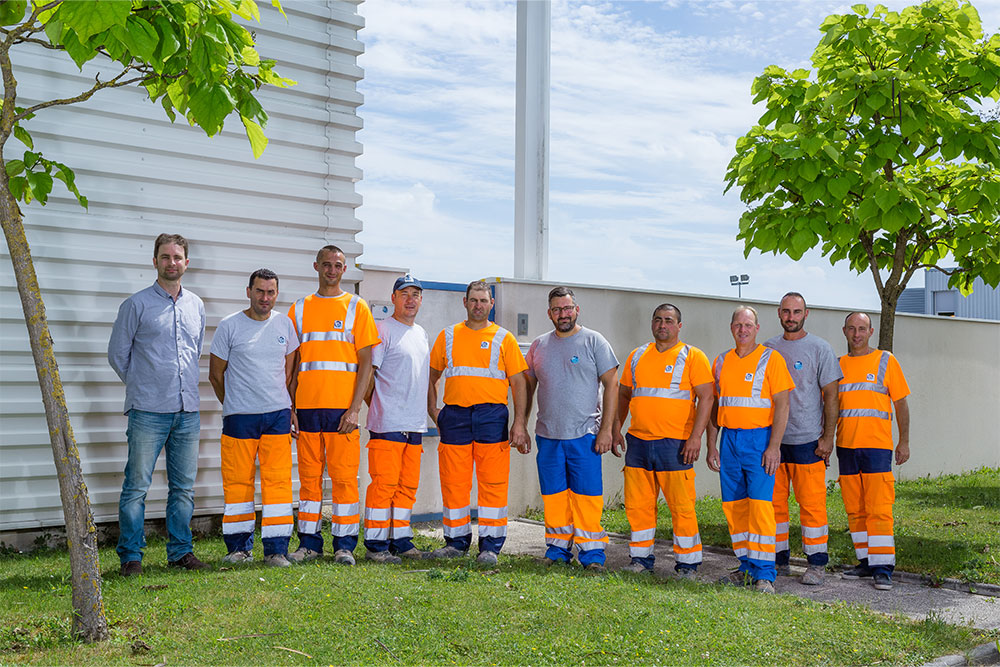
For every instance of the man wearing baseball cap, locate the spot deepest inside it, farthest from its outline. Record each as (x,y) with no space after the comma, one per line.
(397,418)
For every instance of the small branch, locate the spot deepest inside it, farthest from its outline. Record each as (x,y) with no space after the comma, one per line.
(27,26)
(867,243)
(40,42)
(291,650)
(116,82)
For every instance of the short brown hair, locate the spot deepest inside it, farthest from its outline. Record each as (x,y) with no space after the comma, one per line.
(749,309)
(859,312)
(561,291)
(329,248)
(164,239)
(668,306)
(479,286)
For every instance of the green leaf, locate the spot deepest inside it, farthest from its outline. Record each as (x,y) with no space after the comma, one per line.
(12,11)
(209,105)
(168,42)
(17,186)
(258,142)
(832,152)
(14,167)
(141,37)
(860,9)
(838,187)
(808,170)
(803,240)
(250,56)
(77,50)
(886,198)
(40,184)
(30,159)
(22,135)
(90,18)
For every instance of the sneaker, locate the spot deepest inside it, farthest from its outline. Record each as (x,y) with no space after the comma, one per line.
(857,572)
(486,558)
(446,552)
(783,570)
(189,562)
(635,567)
(686,573)
(303,554)
(882,582)
(594,568)
(813,575)
(412,554)
(763,586)
(276,560)
(382,557)
(131,568)
(736,578)
(551,562)
(344,557)
(238,558)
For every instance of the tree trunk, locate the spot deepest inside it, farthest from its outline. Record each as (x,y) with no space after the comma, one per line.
(89,622)
(887,321)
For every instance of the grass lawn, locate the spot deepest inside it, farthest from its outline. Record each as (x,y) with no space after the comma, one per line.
(518,613)
(947,526)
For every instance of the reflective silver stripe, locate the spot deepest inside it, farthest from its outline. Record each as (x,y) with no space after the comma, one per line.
(456,514)
(738,537)
(376,534)
(493,513)
(861,552)
(883,366)
(343,529)
(759,373)
(590,535)
(275,510)
(742,551)
(237,527)
(401,514)
(636,355)
(810,549)
(328,366)
(300,305)
(643,535)
(866,412)
(862,386)
(760,555)
(717,370)
(457,531)
(232,509)
(559,530)
(881,559)
(399,532)
(815,531)
(308,527)
(881,541)
(640,552)
(693,558)
(310,506)
(760,539)
(590,546)
(352,310)
(860,537)
(346,509)
(662,392)
(377,513)
(781,528)
(344,336)
(551,541)
(687,541)
(492,371)
(679,363)
(782,545)
(744,402)
(276,530)
(492,531)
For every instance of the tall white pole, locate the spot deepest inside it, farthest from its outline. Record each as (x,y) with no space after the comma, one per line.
(531,155)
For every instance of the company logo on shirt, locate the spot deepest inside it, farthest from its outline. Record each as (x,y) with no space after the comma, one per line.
(281,340)
(798,365)
(338,324)
(871,377)
(485,345)
(669,368)
(748,378)
(574,359)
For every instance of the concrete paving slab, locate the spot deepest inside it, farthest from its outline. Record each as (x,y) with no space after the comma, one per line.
(918,601)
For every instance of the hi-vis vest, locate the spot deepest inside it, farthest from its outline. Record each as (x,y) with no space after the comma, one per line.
(674,391)
(869,386)
(875,384)
(476,363)
(662,383)
(492,371)
(736,409)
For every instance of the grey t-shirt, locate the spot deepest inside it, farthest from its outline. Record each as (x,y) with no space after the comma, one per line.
(813,365)
(568,371)
(402,372)
(255,352)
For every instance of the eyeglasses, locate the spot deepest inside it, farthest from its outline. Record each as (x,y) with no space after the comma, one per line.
(555,310)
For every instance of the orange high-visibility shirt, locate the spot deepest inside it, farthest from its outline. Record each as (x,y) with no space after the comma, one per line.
(744,387)
(662,383)
(871,383)
(476,364)
(331,330)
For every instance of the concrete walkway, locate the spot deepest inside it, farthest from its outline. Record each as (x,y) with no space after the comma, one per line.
(916,600)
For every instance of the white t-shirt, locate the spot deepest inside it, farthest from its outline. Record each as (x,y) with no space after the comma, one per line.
(402,372)
(255,352)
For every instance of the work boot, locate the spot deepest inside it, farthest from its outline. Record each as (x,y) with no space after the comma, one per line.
(857,572)
(686,573)
(446,552)
(303,554)
(594,568)
(486,558)
(784,570)
(882,581)
(276,560)
(189,562)
(344,557)
(763,586)
(412,554)
(131,568)
(635,567)
(813,575)
(736,578)
(382,557)
(238,558)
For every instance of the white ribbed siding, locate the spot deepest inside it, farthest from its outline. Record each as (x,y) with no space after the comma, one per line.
(982,304)
(144,175)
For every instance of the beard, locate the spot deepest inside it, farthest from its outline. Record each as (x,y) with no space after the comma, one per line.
(792,327)
(565,325)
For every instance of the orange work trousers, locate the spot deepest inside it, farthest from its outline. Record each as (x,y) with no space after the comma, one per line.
(394,466)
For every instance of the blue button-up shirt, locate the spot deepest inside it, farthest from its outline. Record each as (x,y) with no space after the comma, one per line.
(154,348)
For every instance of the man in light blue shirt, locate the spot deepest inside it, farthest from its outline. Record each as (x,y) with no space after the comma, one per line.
(154,348)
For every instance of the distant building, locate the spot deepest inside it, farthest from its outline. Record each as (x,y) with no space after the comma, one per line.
(936,298)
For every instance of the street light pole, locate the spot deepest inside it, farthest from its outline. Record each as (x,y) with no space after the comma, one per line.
(739,281)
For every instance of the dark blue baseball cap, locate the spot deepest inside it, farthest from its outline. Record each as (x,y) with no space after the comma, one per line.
(407,281)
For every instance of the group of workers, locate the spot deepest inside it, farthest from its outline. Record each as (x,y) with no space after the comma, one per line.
(304,377)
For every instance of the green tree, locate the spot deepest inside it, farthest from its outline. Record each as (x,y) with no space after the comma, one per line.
(196,61)
(883,152)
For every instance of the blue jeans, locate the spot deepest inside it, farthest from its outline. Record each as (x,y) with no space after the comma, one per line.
(148,433)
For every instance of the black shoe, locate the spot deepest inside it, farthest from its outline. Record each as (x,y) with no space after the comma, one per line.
(882,582)
(857,572)
(189,562)
(131,568)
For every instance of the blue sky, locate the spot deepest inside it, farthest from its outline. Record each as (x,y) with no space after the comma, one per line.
(647,101)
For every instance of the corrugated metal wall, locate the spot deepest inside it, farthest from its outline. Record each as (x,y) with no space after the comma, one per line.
(144,175)
(982,304)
